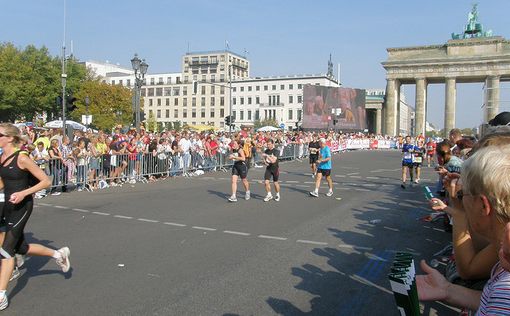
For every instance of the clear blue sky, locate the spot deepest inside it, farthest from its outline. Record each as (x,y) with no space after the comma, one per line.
(281,37)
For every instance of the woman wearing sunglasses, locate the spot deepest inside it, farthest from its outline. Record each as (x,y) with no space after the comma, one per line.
(20,178)
(485,200)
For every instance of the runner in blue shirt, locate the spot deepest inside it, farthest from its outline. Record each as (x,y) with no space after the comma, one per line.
(324,169)
(407,161)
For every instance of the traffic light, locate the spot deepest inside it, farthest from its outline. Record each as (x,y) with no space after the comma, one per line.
(195,87)
(142,116)
(227,120)
(335,121)
(70,103)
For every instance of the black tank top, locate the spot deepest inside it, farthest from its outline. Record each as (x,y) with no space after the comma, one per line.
(14,178)
(239,162)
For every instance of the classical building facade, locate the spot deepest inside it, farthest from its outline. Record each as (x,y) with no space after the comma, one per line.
(374,103)
(276,98)
(474,56)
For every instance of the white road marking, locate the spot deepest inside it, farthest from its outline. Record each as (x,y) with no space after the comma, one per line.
(292,181)
(340,175)
(100,213)
(204,228)
(174,224)
(375,178)
(80,210)
(309,182)
(370,185)
(236,233)
(393,229)
(122,216)
(362,190)
(271,237)
(357,177)
(62,207)
(147,220)
(44,204)
(351,174)
(311,242)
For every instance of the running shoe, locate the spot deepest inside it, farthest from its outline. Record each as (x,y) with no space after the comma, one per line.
(232,198)
(247,196)
(277,197)
(268,198)
(4,302)
(313,175)
(15,274)
(313,193)
(330,193)
(417,181)
(63,262)
(403,186)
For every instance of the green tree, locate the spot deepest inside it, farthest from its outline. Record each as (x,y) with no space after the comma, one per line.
(110,105)
(169,126)
(30,81)
(268,122)
(151,122)
(177,126)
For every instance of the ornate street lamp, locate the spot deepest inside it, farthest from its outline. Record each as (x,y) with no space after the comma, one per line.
(140,68)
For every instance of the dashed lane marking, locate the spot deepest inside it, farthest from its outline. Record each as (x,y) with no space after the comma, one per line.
(80,210)
(351,174)
(175,224)
(362,190)
(271,237)
(357,177)
(61,207)
(122,216)
(236,233)
(292,181)
(204,228)
(101,213)
(374,178)
(312,242)
(147,220)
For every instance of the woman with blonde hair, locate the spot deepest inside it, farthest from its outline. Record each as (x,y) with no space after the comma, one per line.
(20,178)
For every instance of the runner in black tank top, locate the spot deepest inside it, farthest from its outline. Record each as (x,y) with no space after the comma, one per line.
(17,171)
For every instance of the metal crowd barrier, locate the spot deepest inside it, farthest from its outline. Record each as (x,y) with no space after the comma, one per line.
(99,172)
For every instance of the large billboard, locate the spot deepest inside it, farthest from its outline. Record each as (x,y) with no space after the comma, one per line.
(333,108)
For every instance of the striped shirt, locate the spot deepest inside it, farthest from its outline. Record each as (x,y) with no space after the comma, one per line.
(495,298)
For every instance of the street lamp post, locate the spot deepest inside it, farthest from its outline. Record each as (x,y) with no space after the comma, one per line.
(87,102)
(140,68)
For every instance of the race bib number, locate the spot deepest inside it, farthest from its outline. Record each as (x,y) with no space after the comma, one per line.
(418,159)
(408,156)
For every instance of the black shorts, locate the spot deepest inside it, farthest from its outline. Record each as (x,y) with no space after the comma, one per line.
(240,170)
(15,218)
(313,159)
(417,164)
(325,172)
(272,172)
(407,164)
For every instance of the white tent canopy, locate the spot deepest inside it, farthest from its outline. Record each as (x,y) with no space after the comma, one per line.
(58,124)
(268,129)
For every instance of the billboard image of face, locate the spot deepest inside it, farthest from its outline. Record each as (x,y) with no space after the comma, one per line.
(333,108)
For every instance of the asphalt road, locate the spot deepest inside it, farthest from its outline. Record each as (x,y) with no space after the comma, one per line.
(178,247)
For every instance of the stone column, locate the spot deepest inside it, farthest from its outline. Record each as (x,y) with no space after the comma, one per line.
(421,101)
(449,111)
(391,107)
(492,102)
(378,121)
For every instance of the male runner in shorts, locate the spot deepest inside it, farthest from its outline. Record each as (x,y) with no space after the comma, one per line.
(314,147)
(324,169)
(407,161)
(270,157)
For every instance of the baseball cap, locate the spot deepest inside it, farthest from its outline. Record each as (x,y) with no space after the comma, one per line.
(502,118)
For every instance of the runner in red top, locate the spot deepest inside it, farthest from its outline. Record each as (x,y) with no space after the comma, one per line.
(431,150)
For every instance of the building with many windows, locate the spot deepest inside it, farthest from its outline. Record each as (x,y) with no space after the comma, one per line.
(275,98)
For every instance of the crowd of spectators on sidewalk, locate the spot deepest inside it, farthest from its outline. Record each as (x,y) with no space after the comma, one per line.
(90,160)
(474,197)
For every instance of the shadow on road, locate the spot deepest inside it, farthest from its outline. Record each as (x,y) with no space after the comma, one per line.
(354,280)
(33,266)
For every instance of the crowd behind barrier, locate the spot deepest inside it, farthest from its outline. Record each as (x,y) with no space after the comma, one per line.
(92,161)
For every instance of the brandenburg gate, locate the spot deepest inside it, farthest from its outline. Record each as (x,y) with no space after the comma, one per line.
(474,56)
